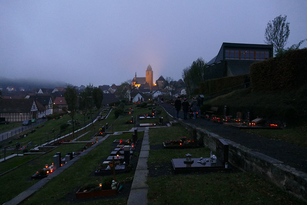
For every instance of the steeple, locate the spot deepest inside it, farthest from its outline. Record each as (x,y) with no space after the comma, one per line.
(149,68)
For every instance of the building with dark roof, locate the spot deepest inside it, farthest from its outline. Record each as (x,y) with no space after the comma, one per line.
(235,59)
(17,110)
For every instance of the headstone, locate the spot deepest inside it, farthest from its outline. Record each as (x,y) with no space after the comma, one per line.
(239,115)
(127,154)
(56,163)
(103,129)
(67,158)
(59,153)
(222,149)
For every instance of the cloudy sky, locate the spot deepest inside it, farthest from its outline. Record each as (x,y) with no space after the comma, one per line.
(105,41)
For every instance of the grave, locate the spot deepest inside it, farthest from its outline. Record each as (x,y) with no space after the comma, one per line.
(181,143)
(147,124)
(211,164)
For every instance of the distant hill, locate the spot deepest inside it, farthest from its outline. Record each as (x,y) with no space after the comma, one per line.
(30,83)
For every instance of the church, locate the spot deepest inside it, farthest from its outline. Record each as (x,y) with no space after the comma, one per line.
(145,82)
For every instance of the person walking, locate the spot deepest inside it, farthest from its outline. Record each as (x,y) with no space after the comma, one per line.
(194,107)
(185,108)
(177,106)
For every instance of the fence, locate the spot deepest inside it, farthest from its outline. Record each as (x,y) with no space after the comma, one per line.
(18,130)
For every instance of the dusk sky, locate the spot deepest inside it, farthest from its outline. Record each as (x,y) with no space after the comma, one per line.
(105,42)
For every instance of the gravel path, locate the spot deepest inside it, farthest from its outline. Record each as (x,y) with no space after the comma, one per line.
(290,154)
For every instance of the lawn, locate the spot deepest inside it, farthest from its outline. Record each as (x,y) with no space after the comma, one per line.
(233,187)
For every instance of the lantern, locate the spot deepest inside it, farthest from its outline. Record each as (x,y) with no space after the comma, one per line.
(188,159)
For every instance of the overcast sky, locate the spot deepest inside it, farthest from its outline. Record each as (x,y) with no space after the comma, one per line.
(105,42)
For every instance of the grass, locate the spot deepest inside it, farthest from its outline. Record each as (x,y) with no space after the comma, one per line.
(19,179)
(209,188)
(65,185)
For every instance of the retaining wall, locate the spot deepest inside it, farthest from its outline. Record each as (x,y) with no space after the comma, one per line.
(284,176)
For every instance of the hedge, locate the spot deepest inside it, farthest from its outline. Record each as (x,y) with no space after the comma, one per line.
(285,73)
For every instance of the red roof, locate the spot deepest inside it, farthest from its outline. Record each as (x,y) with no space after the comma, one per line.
(60,101)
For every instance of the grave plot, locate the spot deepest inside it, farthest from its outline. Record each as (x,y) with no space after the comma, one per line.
(181,143)
(151,124)
(58,162)
(121,158)
(108,187)
(259,123)
(218,162)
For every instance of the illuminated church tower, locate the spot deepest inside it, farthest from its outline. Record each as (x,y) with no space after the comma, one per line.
(149,76)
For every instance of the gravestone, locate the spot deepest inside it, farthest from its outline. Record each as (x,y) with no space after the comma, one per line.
(222,149)
(127,154)
(59,154)
(56,163)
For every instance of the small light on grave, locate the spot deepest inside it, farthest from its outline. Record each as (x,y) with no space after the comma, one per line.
(100,184)
(46,166)
(117,156)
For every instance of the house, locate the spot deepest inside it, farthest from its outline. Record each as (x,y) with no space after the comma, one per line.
(138,98)
(46,101)
(160,82)
(44,91)
(17,110)
(10,88)
(109,98)
(59,105)
(58,89)
(235,59)
(157,94)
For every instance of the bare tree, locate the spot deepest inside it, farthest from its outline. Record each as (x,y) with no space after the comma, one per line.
(277,32)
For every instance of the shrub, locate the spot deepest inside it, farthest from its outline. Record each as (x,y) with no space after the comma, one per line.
(118,111)
(64,126)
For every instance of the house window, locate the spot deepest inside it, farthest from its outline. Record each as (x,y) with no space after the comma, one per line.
(236,54)
(227,54)
(266,54)
(262,55)
(232,54)
(251,55)
(257,55)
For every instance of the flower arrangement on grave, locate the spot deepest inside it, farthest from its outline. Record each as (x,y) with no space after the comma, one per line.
(106,187)
(105,184)
(182,141)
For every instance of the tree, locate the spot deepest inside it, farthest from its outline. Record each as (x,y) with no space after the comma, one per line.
(277,33)
(97,97)
(122,90)
(71,97)
(194,75)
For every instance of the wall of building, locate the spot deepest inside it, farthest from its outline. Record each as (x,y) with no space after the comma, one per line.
(16,117)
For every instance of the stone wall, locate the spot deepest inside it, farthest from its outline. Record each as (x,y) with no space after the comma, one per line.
(285,177)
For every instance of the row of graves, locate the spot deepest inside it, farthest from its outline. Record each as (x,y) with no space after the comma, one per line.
(213,163)
(151,118)
(57,161)
(120,160)
(242,121)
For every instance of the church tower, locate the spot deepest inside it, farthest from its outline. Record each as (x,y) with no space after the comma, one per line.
(149,76)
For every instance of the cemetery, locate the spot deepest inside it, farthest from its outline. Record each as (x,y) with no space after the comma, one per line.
(109,161)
